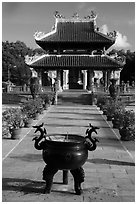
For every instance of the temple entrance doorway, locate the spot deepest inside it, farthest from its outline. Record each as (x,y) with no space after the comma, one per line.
(75,79)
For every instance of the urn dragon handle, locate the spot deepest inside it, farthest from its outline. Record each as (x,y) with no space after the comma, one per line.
(89,141)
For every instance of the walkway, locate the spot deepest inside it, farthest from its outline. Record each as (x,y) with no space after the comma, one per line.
(110,169)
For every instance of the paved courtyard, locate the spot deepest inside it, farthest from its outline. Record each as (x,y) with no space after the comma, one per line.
(109,170)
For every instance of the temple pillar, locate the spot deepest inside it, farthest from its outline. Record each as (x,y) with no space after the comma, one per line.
(108,78)
(117,76)
(84,79)
(65,79)
(59,80)
(40,77)
(91,80)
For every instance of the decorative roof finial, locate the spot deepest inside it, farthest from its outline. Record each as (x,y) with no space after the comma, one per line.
(112,34)
(75,15)
(58,15)
(92,16)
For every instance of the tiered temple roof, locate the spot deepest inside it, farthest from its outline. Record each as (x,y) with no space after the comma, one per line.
(75,34)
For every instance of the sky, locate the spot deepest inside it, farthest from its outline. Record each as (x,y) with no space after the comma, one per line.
(20,20)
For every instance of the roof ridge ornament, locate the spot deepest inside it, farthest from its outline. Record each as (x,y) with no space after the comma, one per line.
(112,34)
(118,58)
(39,34)
(75,15)
(92,15)
(58,15)
(31,59)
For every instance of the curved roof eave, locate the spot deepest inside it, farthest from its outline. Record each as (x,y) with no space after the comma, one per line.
(81,61)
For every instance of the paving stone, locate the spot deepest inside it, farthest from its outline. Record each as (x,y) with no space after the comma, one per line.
(109,170)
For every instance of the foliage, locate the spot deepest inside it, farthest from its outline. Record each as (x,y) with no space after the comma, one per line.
(127,134)
(32,107)
(5,130)
(112,107)
(128,119)
(101,100)
(119,114)
(13,58)
(128,72)
(18,117)
(12,117)
(47,98)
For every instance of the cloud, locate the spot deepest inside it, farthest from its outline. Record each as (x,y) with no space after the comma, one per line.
(121,40)
(104,29)
(131,22)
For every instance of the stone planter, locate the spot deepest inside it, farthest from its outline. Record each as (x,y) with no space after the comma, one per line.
(15,133)
(35,117)
(127,134)
(104,112)
(27,124)
(109,118)
(116,123)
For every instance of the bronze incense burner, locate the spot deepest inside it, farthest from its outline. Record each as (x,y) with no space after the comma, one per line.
(64,152)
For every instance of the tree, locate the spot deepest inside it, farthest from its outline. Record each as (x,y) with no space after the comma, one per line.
(13,62)
(128,71)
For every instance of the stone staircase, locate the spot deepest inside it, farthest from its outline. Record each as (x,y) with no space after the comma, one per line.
(74,97)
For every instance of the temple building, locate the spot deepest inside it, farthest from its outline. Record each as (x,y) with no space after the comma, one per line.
(76,54)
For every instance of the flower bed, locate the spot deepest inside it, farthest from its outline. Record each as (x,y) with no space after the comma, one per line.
(121,118)
(15,118)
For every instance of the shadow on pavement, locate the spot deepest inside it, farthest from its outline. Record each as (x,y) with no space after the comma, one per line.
(29,157)
(111,162)
(28,186)
(23,185)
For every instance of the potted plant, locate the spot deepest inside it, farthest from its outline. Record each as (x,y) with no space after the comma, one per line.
(5,130)
(15,124)
(29,109)
(118,117)
(13,120)
(26,120)
(101,100)
(127,130)
(110,109)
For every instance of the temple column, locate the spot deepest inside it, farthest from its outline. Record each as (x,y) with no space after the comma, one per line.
(112,74)
(84,79)
(65,79)
(108,78)
(59,80)
(117,76)
(91,80)
(40,78)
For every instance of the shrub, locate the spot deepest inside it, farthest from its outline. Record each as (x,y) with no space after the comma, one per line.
(32,107)
(127,130)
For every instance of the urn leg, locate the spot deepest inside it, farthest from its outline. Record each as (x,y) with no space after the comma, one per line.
(48,174)
(78,175)
(65,176)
